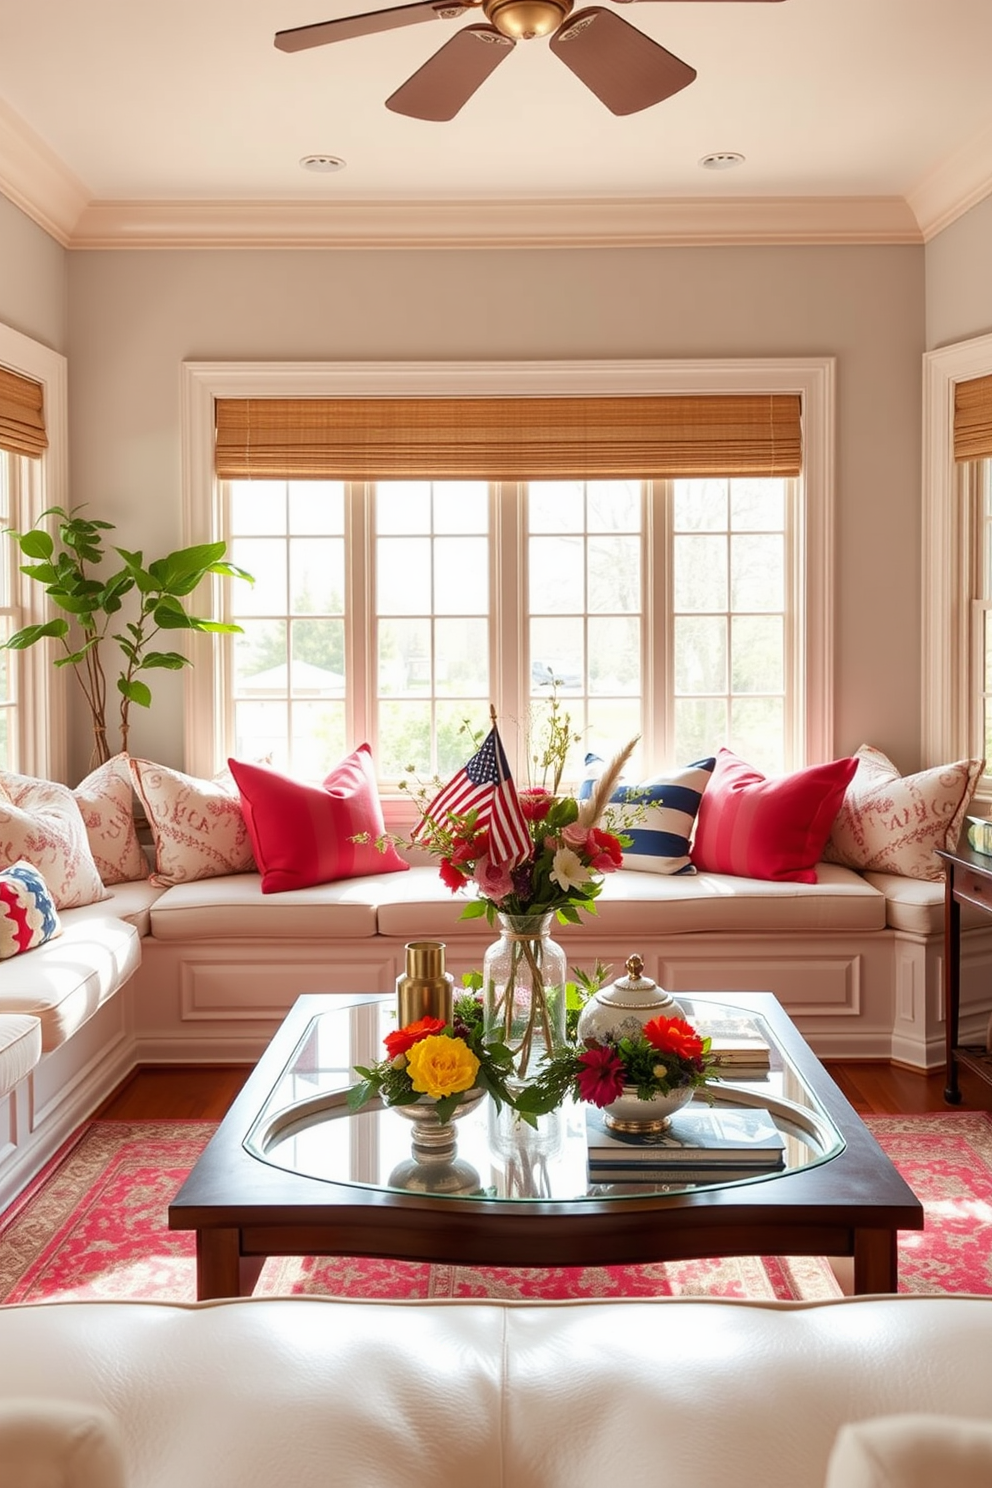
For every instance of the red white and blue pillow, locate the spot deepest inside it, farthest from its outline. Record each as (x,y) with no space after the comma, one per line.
(28,916)
(667,806)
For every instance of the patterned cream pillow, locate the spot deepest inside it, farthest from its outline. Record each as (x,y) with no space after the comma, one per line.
(197,826)
(40,822)
(106,801)
(892,823)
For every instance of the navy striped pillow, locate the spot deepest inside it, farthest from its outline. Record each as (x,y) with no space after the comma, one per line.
(668,805)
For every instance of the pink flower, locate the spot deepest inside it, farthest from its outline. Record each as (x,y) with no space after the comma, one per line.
(493,879)
(575,836)
(599,1078)
(535,802)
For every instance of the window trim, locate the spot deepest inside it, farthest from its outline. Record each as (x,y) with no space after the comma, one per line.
(946,704)
(813,378)
(42,711)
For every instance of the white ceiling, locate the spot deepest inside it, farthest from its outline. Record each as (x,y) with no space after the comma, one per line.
(150,121)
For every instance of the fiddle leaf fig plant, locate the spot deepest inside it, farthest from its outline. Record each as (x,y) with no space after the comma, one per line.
(66,565)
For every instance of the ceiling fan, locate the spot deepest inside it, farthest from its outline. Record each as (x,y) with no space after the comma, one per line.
(625,69)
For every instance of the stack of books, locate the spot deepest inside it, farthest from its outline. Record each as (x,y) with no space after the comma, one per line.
(741,1050)
(701,1144)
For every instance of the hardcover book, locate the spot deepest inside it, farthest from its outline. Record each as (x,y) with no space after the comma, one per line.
(697,1137)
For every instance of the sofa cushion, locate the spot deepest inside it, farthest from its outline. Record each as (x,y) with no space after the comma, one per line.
(28,916)
(305,834)
(59,1444)
(667,807)
(106,801)
(64,981)
(233,908)
(197,826)
(768,828)
(893,823)
(912,1451)
(417,905)
(40,821)
(20,1048)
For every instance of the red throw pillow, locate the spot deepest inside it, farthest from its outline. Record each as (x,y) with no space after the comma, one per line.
(755,827)
(302,834)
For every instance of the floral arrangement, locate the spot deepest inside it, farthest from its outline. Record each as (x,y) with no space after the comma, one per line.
(526,855)
(567,847)
(438,1061)
(668,1055)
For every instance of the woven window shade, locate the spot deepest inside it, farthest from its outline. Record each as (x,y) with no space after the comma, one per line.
(973,419)
(22,415)
(508,438)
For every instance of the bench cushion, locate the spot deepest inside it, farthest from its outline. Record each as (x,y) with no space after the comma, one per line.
(20,1048)
(64,981)
(632,903)
(233,908)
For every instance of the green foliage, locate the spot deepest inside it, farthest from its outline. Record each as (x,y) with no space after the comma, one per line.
(65,566)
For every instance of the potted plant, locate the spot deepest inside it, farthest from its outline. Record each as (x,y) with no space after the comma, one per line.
(65,565)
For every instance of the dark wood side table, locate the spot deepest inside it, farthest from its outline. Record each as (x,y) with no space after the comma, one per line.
(968,880)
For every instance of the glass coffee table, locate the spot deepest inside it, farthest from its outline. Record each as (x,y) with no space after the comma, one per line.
(291,1171)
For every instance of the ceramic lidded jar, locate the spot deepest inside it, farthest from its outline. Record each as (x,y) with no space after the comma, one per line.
(622,1008)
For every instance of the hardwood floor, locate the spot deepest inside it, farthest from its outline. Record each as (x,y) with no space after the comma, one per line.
(204,1093)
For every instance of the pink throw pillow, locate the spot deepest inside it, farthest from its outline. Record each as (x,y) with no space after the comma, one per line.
(197,825)
(303,834)
(775,828)
(40,822)
(893,823)
(106,800)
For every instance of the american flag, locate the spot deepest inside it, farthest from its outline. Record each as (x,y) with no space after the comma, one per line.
(486,786)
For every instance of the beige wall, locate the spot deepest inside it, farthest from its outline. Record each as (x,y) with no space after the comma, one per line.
(133,317)
(32,279)
(959,279)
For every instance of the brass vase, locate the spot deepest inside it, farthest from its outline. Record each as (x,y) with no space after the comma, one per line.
(425,990)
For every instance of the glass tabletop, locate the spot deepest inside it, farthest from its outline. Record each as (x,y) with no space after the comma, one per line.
(305,1126)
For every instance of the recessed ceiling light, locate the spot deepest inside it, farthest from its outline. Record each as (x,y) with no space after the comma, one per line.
(721,160)
(323,164)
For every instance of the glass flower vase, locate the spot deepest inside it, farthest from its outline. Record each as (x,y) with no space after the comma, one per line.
(523,976)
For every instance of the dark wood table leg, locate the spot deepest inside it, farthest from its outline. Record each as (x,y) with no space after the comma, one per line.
(952,985)
(221,1269)
(876,1261)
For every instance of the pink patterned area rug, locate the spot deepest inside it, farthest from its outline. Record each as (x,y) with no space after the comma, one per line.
(93,1224)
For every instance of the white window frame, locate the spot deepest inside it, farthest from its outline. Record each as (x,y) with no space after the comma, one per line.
(42,743)
(947,705)
(812,378)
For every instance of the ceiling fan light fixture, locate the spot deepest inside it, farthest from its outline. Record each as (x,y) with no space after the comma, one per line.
(522,20)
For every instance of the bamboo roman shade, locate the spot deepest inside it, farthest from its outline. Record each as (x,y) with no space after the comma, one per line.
(508,438)
(973,419)
(22,415)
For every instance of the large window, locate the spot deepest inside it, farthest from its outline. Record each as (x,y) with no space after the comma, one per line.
(957,556)
(32,717)
(694,612)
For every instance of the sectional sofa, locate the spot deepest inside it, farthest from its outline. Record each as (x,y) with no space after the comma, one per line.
(196,963)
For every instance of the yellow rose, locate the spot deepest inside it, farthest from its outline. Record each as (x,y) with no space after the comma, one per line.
(441,1066)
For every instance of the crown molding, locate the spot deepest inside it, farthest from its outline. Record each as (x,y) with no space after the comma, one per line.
(959,183)
(592,223)
(34,178)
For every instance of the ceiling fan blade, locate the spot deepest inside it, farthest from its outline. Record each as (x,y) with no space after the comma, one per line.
(624,68)
(448,79)
(302,37)
(699,2)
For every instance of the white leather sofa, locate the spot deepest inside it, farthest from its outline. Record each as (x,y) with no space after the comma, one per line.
(307,1392)
(205,971)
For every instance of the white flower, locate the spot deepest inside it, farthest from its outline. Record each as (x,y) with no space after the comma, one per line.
(568,871)
(660,1071)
